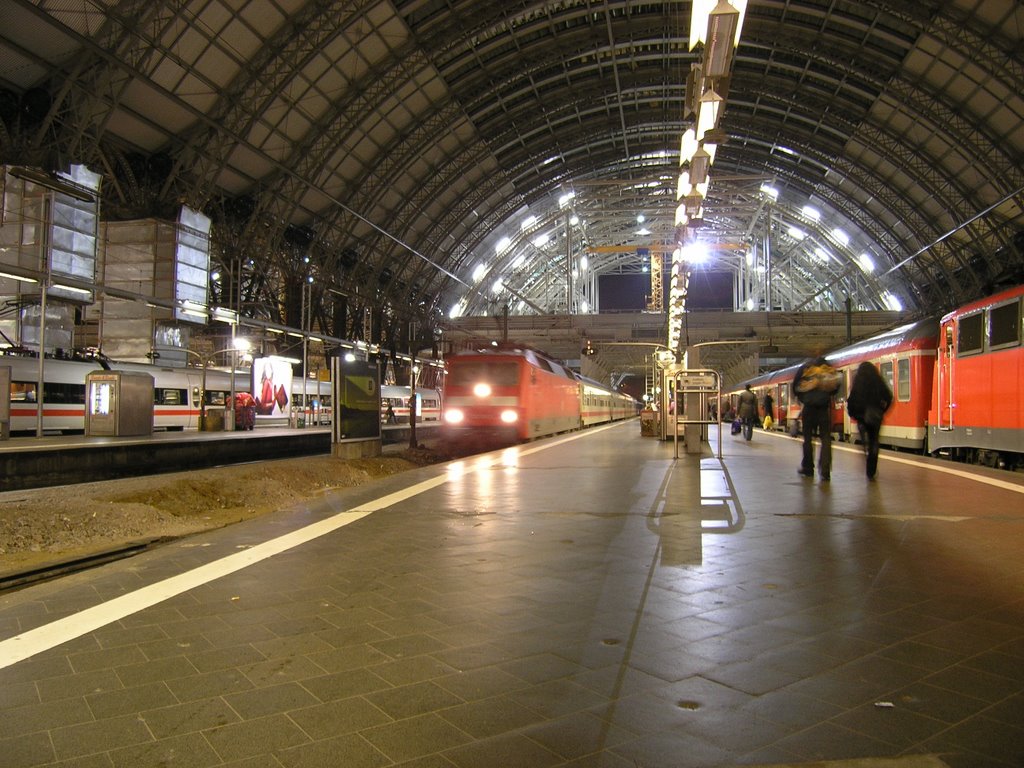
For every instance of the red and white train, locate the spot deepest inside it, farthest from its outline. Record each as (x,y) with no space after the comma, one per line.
(956,383)
(176,394)
(513,395)
(428,404)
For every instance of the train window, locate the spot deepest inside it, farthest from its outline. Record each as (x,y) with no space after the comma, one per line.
(1004,325)
(969,335)
(886,370)
(64,393)
(903,379)
(496,374)
(23,391)
(168,396)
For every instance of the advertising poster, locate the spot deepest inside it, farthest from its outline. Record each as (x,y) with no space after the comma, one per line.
(271,386)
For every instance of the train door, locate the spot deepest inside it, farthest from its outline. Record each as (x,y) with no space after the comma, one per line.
(944,380)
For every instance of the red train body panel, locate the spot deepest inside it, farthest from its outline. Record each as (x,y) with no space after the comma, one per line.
(905,356)
(513,395)
(977,400)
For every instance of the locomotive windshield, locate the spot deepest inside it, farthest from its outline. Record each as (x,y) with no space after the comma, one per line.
(496,374)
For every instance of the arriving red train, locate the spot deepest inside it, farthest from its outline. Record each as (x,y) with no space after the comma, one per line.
(517,394)
(956,383)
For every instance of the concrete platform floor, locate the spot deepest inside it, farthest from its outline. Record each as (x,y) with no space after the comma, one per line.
(583,601)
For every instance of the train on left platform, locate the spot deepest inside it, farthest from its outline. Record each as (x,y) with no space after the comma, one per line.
(177,394)
(509,395)
(956,383)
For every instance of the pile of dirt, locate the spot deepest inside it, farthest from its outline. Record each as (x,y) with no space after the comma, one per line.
(41,526)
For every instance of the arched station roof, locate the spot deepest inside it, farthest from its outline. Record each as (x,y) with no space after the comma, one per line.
(419,155)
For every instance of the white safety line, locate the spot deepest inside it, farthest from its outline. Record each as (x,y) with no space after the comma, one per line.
(34,641)
(48,636)
(994,481)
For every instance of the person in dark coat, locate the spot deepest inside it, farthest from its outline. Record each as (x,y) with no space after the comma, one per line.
(769,406)
(815,384)
(747,411)
(869,399)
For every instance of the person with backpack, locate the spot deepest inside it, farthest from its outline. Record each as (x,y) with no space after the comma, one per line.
(815,384)
(869,399)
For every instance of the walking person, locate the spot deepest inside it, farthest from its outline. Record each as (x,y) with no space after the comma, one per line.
(869,399)
(747,411)
(815,384)
(769,410)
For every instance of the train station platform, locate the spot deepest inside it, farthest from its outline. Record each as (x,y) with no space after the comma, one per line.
(586,600)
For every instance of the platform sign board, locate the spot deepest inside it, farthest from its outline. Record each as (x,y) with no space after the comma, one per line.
(357,400)
(696,381)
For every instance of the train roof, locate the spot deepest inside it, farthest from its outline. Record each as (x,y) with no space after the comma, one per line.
(922,334)
(985,303)
(918,335)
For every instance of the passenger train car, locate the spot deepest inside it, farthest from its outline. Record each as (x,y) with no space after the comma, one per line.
(428,404)
(513,395)
(176,396)
(956,383)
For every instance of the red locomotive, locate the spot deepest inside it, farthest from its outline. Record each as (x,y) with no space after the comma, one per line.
(977,407)
(513,395)
(956,383)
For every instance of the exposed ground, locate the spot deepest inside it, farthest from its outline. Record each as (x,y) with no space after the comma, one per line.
(46,525)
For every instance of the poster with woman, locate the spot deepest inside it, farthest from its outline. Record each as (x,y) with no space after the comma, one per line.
(272,385)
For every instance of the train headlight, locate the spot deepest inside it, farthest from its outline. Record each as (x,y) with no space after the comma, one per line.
(509,417)
(482,390)
(454,416)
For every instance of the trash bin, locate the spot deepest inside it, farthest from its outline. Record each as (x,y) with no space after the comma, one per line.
(650,423)
(245,411)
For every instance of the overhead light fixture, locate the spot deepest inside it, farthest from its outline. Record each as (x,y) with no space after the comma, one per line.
(699,13)
(48,181)
(18,277)
(693,202)
(694,90)
(683,185)
(699,166)
(708,113)
(688,145)
(720,41)
(72,289)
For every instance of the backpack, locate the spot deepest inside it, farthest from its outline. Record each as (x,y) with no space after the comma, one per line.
(817,384)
